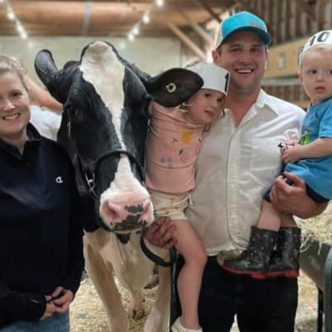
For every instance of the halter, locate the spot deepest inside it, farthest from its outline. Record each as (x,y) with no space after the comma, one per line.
(88,175)
(88,172)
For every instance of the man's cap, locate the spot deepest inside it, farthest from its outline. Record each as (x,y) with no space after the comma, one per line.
(321,38)
(242,21)
(214,77)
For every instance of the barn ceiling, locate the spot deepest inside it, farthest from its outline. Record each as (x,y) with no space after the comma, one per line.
(106,18)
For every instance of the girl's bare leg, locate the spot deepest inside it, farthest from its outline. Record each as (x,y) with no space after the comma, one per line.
(190,277)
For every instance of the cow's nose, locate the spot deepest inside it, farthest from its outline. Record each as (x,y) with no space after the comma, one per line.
(115,211)
(118,212)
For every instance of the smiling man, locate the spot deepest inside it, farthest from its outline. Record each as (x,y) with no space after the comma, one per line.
(238,162)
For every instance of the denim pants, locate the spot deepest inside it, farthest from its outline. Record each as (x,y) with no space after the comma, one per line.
(56,323)
(259,305)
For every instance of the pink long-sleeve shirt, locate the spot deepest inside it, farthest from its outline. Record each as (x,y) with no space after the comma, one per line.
(173,145)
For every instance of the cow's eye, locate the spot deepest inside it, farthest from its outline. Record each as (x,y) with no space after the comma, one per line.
(72,111)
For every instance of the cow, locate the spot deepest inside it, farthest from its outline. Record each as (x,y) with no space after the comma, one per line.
(106,112)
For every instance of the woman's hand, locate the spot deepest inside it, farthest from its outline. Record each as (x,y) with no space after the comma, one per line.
(62,298)
(50,308)
(58,302)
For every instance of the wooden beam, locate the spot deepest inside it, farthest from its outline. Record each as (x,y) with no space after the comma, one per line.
(213,14)
(198,29)
(187,41)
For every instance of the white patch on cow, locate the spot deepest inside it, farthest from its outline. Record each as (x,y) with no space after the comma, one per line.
(101,67)
(125,183)
(125,188)
(107,260)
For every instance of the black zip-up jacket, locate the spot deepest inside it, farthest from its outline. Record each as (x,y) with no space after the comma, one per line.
(40,227)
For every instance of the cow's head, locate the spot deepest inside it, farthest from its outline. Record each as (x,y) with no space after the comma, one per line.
(105,123)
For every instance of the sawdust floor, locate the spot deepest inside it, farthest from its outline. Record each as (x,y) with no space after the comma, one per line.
(88,315)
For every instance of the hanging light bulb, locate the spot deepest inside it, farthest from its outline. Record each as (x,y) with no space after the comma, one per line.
(159,3)
(10,14)
(135,30)
(146,18)
(20,28)
(24,35)
(131,37)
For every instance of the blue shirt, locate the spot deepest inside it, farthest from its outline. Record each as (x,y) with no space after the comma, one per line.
(316,172)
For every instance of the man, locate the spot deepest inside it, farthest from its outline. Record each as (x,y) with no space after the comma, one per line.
(238,162)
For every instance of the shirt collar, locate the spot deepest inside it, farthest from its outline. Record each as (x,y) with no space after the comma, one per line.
(325,101)
(33,136)
(265,100)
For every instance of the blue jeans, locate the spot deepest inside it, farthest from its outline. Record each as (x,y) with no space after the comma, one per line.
(259,305)
(56,323)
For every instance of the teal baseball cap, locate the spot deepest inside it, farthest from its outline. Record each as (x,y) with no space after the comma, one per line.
(242,21)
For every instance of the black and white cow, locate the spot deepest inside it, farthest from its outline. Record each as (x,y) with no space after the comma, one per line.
(104,126)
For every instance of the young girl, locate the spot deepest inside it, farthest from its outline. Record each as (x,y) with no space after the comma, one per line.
(173,144)
(311,159)
(41,254)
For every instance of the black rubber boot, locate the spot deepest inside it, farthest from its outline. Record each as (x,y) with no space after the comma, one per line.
(285,261)
(256,259)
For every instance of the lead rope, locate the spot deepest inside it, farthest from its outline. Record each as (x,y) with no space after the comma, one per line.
(172,316)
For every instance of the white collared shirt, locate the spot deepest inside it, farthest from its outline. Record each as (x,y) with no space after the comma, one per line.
(236,165)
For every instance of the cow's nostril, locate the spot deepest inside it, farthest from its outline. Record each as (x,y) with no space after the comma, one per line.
(113,211)
(146,206)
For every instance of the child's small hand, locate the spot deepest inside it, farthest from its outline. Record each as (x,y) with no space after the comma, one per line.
(292,142)
(291,154)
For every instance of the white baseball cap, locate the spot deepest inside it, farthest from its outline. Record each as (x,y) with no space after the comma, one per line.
(214,77)
(320,38)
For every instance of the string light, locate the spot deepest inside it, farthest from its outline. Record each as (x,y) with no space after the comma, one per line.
(159,3)
(12,17)
(135,30)
(146,18)
(24,35)
(10,14)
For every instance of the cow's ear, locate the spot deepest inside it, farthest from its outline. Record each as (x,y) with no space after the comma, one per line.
(51,77)
(174,86)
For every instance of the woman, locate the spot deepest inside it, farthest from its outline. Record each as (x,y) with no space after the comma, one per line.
(41,257)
